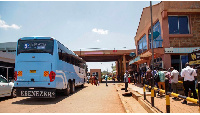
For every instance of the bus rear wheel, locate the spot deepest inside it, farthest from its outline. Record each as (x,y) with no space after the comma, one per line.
(72,88)
(67,91)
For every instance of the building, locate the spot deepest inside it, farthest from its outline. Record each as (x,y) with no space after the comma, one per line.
(96,72)
(7,59)
(9,47)
(178,24)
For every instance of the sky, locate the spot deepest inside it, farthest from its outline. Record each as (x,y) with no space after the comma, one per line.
(76,24)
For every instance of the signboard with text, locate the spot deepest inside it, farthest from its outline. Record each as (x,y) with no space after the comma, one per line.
(194,58)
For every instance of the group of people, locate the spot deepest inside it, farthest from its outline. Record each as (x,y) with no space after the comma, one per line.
(94,80)
(187,74)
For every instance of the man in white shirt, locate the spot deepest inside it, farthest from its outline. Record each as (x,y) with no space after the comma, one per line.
(174,80)
(188,74)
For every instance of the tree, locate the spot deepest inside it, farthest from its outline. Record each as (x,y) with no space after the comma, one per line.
(105,72)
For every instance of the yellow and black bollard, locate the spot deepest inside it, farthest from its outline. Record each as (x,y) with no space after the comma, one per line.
(152,97)
(152,93)
(144,88)
(199,94)
(167,95)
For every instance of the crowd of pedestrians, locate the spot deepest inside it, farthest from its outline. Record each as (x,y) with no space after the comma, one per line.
(93,79)
(187,75)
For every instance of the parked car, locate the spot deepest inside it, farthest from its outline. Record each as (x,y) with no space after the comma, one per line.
(6,88)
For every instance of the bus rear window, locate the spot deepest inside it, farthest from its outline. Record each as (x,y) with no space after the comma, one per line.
(35,46)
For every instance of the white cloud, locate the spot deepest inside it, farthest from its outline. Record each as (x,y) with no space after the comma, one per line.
(98,40)
(100,31)
(5,26)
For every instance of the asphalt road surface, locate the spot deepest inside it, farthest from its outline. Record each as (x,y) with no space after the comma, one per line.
(90,99)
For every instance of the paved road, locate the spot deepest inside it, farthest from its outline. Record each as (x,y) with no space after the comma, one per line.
(90,99)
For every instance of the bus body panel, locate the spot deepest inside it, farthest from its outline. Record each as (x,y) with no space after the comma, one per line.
(34,70)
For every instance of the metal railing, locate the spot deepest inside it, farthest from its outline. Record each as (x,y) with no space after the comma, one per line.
(168,94)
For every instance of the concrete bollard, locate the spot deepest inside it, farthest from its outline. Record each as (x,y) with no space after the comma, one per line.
(167,95)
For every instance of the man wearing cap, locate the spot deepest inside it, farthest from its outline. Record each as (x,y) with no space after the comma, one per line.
(188,74)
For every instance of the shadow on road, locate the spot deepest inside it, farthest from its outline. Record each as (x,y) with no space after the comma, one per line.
(111,82)
(5,98)
(46,101)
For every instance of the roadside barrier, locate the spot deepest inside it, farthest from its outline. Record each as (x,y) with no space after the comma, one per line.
(168,94)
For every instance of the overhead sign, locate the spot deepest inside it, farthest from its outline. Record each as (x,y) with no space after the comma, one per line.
(181,50)
(89,53)
(194,58)
(132,54)
(114,50)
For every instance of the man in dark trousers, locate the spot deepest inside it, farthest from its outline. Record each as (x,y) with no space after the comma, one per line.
(126,81)
(106,78)
(188,74)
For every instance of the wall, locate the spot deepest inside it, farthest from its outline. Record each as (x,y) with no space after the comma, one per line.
(189,40)
(96,70)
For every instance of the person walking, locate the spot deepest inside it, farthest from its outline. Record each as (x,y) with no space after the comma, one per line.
(168,75)
(126,80)
(129,78)
(174,80)
(95,80)
(88,79)
(92,80)
(188,74)
(148,77)
(161,75)
(106,78)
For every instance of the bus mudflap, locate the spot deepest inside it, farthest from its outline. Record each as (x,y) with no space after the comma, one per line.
(35,92)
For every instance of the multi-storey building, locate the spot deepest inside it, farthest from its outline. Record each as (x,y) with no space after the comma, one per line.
(178,24)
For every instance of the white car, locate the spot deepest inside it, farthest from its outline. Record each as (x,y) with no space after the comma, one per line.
(6,88)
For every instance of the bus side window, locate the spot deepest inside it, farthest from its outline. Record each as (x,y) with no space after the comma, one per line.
(60,54)
(72,60)
(64,56)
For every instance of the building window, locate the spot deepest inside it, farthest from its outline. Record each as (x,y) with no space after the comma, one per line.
(178,25)
(142,45)
(158,41)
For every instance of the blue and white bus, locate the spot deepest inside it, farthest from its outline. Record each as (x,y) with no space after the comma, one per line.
(44,66)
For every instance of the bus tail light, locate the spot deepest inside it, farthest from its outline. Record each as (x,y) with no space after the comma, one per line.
(15,76)
(52,76)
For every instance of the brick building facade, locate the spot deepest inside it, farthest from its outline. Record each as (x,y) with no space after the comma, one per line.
(178,23)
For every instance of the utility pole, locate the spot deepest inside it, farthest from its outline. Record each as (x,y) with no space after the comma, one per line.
(152,79)
(152,43)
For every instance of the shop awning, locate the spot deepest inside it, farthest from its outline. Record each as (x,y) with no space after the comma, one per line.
(134,60)
(146,55)
(157,52)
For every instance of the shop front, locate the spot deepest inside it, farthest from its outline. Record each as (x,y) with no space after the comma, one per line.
(179,56)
